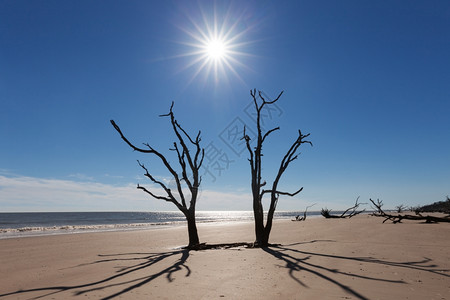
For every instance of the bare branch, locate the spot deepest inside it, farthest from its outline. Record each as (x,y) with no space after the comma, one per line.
(253,93)
(247,143)
(192,164)
(269,132)
(169,197)
(128,142)
(199,151)
(183,166)
(270,102)
(379,212)
(201,159)
(353,209)
(298,218)
(348,213)
(150,150)
(170,111)
(287,159)
(153,195)
(197,139)
(280,192)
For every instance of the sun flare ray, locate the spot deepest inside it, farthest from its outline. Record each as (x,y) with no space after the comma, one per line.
(216,45)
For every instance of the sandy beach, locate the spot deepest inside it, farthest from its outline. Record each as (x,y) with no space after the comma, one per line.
(359,258)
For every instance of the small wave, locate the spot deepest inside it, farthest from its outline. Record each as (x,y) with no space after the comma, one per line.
(31,231)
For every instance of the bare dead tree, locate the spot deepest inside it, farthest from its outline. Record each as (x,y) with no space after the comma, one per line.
(400,208)
(298,218)
(379,212)
(190,162)
(348,213)
(415,209)
(262,230)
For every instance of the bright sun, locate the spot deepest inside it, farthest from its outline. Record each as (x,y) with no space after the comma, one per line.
(215,43)
(216,49)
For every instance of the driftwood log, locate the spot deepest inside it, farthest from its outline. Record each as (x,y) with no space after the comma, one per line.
(348,213)
(397,218)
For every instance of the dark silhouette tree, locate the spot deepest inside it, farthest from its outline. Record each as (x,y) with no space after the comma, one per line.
(400,208)
(262,230)
(189,162)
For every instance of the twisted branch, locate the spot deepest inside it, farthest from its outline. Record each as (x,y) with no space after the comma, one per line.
(379,212)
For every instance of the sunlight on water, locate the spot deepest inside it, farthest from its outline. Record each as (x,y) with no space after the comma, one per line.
(32,224)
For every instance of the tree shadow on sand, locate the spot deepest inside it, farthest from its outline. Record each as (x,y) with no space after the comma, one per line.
(297,261)
(144,260)
(128,278)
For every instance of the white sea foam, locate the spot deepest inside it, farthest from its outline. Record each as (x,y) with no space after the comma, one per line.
(67,229)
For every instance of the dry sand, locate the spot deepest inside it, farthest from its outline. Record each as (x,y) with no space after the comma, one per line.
(360,258)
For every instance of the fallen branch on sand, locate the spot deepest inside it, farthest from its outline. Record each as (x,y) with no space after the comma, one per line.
(298,218)
(348,213)
(379,212)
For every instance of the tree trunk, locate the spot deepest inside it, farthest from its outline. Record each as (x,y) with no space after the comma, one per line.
(262,234)
(258,214)
(259,227)
(267,229)
(192,229)
(265,240)
(271,212)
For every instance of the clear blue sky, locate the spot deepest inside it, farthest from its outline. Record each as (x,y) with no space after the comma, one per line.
(370,80)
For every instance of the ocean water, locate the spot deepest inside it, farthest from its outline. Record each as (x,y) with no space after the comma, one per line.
(48,223)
